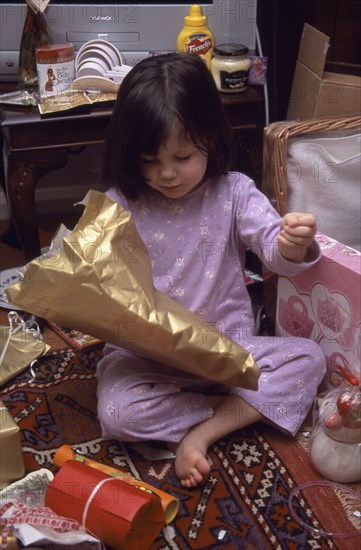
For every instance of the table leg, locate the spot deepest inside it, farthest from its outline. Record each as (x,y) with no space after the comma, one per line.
(23,172)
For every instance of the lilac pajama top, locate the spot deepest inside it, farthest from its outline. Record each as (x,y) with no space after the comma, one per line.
(197,246)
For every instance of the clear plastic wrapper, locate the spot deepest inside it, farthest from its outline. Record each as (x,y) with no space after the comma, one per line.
(335,444)
(29,490)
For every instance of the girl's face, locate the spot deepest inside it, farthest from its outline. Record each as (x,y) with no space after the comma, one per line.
(178,167)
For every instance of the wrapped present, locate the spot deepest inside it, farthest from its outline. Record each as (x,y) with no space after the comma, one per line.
(121,515)
(11,457)
(170,504)
(20,343)
(323,304)
(99,281)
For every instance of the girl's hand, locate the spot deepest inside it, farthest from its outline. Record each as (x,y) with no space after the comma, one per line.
(296,236)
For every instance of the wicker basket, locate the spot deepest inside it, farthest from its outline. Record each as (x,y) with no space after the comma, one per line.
(275,185)
(274,178)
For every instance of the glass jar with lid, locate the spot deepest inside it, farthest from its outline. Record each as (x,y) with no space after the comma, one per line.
(230,67)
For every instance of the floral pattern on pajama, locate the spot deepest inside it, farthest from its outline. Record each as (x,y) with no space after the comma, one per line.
(197,246)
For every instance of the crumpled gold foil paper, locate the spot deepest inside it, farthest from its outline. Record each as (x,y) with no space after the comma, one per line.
(19,346)
(100,282)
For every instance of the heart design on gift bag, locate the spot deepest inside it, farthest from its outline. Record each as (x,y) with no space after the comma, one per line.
(294,317)
(295,313)
(332,311)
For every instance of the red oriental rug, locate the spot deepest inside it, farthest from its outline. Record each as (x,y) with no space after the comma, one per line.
(244,504)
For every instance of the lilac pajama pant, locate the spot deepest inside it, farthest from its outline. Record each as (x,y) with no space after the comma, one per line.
(139,400)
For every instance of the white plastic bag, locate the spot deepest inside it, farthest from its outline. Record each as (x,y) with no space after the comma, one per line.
(323,177)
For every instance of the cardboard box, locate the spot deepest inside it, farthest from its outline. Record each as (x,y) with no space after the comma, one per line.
(11,457)
(323,304)
(316,93)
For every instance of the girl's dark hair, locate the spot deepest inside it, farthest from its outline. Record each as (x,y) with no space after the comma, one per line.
(156,95)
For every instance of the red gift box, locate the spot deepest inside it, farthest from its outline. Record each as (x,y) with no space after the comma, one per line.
(121,515)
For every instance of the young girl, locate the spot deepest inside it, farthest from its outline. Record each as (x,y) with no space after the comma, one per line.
(167,159)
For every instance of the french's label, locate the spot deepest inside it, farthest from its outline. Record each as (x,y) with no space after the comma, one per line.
(199,44)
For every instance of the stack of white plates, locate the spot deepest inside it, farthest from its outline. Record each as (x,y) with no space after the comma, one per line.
(99,66)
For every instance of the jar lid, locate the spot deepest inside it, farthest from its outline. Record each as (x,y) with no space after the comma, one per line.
(52,52)
(231,50)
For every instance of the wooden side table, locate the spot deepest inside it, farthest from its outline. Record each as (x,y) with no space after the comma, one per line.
(33,146)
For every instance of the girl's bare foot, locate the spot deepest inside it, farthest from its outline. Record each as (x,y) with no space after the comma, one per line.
(229,414)
(191,464)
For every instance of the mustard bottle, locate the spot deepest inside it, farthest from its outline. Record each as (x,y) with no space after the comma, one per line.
(195,37)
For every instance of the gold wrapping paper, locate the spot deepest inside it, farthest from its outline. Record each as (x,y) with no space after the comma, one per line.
(11,458)
(18,346)
(99,281)
(74,99)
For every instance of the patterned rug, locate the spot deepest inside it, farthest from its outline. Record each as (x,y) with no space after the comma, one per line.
(242,505)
